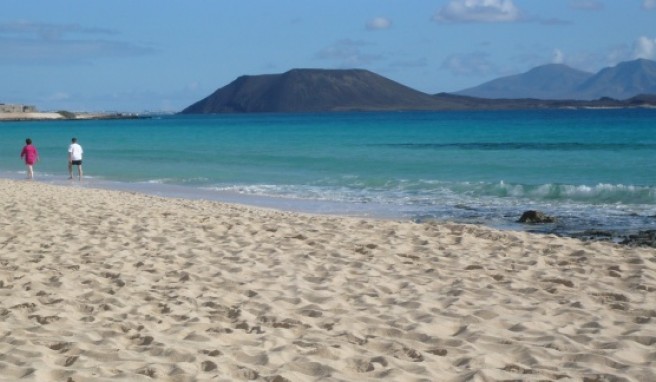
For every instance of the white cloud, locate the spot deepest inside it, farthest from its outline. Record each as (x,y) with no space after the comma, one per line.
(649,4)
(379,23)
(489,11)
(46,31)
(644,47)
(26,42)
(558,56)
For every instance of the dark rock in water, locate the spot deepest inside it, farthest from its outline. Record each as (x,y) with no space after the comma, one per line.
(598,233)
(594,234)
(535,217)
(642,238)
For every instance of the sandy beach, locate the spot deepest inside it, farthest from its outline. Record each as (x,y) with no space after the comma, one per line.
(45,116)
(30,116)
(100,285)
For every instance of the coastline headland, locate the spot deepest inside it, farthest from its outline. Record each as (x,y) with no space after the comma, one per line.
(17,112)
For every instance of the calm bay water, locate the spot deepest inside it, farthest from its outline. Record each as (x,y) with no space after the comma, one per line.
(593,169)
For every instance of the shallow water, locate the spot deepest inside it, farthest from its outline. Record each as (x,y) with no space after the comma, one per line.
(592,169)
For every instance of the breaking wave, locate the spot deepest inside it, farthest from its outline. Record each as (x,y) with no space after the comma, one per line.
(435,192)
(509,146)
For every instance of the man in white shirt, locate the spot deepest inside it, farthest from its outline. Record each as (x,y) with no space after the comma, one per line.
(75,158)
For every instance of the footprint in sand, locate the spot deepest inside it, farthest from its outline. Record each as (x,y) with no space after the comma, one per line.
(44,320)
(208,366)
(61,347)
(211,353)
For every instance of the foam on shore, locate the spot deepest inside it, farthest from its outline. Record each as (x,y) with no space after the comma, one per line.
(100,285)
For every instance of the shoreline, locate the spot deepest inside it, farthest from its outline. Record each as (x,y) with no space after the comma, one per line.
(113,285)
(618,235)
(64,116)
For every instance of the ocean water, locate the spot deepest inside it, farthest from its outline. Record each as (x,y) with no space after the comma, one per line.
(592,169)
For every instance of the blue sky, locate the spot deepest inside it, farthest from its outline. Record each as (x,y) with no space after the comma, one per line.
(137,55)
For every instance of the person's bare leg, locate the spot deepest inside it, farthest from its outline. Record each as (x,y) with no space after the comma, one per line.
(70,170)
(79,172)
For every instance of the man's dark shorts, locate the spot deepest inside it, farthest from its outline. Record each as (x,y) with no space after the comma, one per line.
(76,162)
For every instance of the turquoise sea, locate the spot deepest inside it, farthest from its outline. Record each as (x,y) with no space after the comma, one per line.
(592,169)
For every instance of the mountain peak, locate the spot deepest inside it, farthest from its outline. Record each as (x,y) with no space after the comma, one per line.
(550,81)
(622,81)
(559,81)
(550,67)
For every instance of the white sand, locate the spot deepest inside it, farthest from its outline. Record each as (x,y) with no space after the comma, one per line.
(28,116)
(51,115)
(100,285)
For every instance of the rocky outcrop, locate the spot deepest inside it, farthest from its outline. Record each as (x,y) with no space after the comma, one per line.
(642,238)
(535,217)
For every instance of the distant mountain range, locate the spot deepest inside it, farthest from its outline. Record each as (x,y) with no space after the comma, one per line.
(629,84)
(553,81)
(558,82)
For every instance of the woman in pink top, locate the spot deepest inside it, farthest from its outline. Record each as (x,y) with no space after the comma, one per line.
(31,157)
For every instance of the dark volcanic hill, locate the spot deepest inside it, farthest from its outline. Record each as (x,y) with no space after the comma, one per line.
(625,80)
(313,90)
(553,81)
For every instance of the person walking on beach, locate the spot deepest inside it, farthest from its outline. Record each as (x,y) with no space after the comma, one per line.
(75,158)
(31,156)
